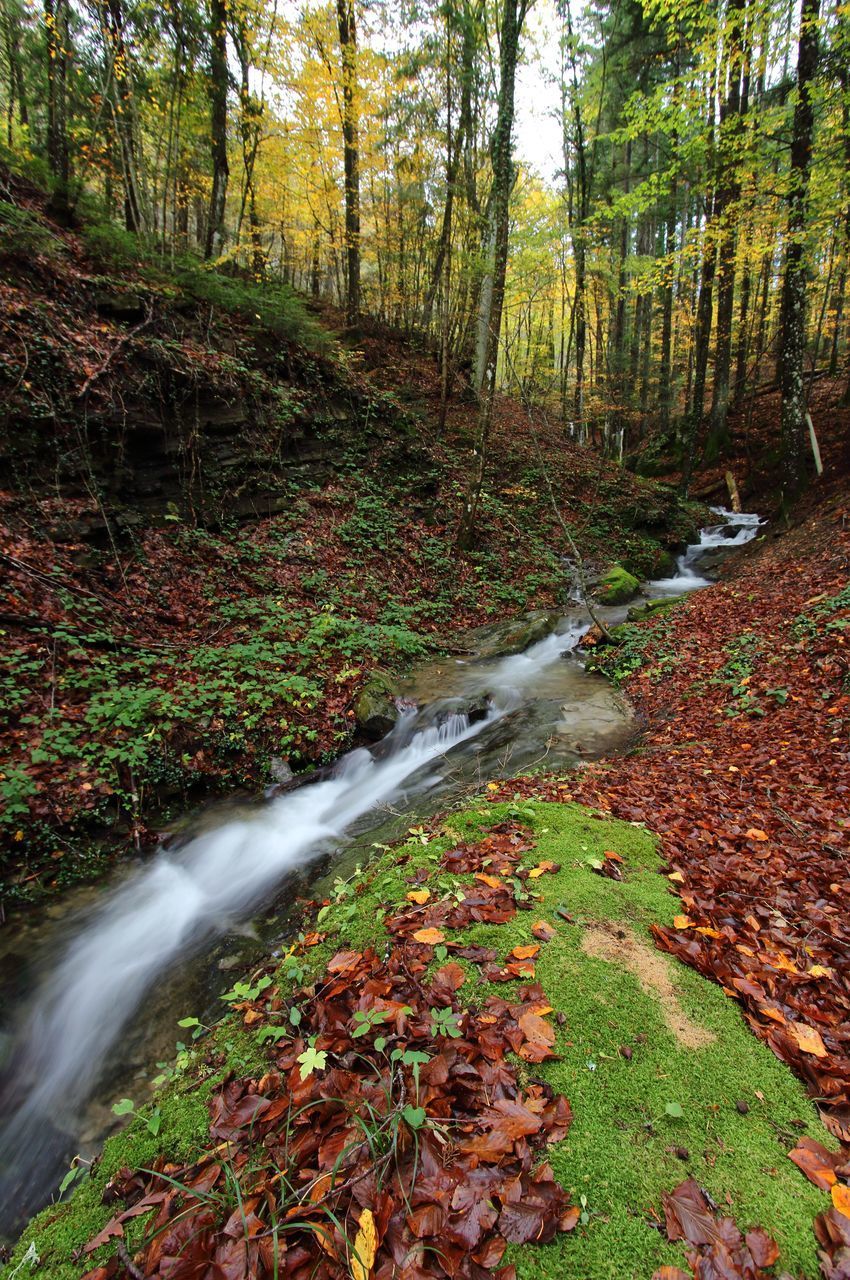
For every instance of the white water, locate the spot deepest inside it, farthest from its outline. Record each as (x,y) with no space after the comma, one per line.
(746,527)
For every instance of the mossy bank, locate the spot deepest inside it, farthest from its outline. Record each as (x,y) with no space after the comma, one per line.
(664,1079)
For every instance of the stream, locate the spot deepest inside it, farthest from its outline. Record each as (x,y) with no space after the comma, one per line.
(91,988)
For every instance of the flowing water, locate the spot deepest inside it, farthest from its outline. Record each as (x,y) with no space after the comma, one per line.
(101,1003)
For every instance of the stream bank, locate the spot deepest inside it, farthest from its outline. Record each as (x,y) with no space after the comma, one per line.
(543,709)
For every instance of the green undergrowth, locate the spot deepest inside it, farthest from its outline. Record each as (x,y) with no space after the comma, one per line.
(649,1109)
(646,644)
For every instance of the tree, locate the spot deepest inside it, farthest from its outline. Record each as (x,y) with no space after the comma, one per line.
(793,309)
(493,286)
(219,81)
(351,158)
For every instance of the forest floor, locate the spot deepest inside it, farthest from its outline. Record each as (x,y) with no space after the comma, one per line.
(473,1059)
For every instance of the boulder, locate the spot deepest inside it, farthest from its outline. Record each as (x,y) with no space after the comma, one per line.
(617,586)
(501,639)
(653,607)
(375,708)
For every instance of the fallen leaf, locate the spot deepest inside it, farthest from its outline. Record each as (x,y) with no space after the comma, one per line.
(419,896)
(525,953)
(808,1039)
(431,936)
(755,833)
(816,1162)
(365,1247)
(841,1198)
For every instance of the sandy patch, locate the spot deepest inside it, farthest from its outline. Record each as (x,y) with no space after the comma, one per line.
(619,945)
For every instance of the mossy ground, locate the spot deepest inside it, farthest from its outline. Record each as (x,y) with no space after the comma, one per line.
(624,1148)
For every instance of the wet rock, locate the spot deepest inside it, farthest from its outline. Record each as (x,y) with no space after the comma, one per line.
(617,586)
(502,639)
(375,708)
(653,607)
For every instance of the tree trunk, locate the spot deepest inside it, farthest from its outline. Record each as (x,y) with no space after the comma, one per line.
(218,129)
(351,156)
(731,119)
(513,16)
(56,24)
(124,115)
(792,332)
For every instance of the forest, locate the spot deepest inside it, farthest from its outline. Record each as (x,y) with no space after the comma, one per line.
(424,686)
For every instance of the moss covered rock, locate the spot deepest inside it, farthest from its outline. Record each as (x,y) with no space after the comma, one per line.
(653,607)
(617,586)
(375,708)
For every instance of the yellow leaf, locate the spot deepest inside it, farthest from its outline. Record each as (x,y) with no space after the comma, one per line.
(808,1039)
(682,922)
(709,932)
(492,786)
(755,833)
(676,877)
(539,870)
(419,896)
(365,1247)
(431,936)
(821,971)
(841,1198)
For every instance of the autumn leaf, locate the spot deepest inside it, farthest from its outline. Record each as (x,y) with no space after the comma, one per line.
(543,931)
(541,869)
(431,936)
(755,833)
(816,1162)
(808,1039)
(841,1198)
(365,1247)
(492,882)
(525,953)
(682,922)
(419,896)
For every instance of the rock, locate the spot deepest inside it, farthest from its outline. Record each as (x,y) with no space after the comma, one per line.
(653,607)
(119,305)
(501,639)
(375,707)
(617,586)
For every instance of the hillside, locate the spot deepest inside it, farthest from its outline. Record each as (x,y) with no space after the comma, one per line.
(218,517)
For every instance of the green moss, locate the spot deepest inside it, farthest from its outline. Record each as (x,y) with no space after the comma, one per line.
(621,1153)
(617,586)
(624,1149)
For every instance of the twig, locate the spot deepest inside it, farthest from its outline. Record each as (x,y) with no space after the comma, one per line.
(128,1262)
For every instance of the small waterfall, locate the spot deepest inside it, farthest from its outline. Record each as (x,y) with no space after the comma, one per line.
(168,909)
(736,529)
